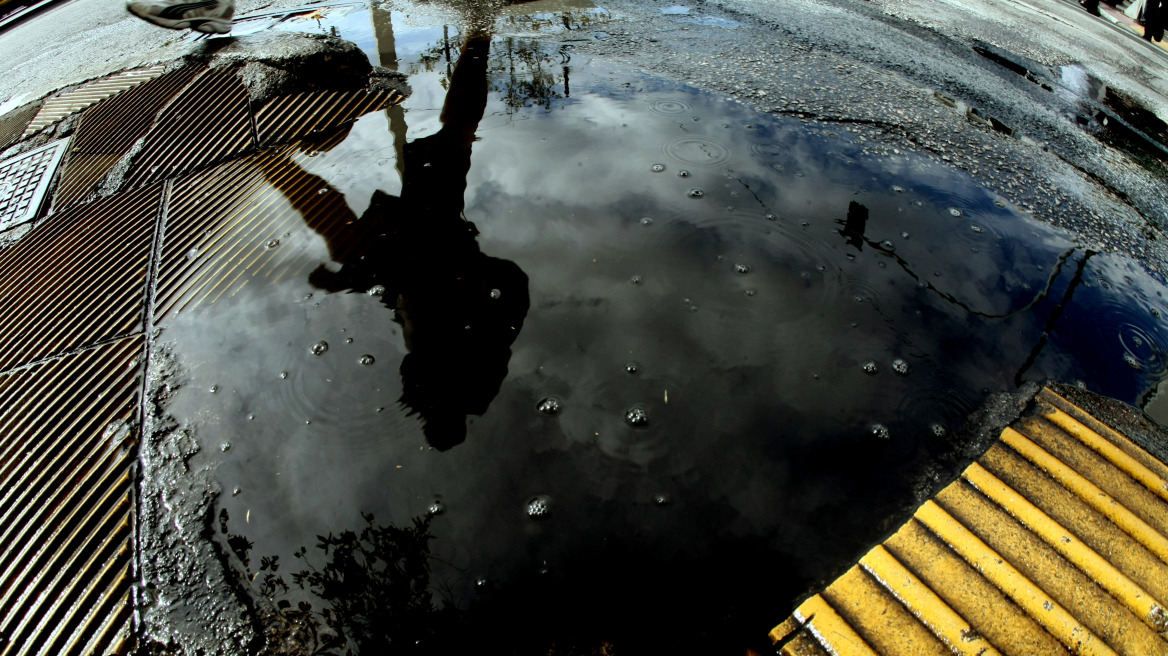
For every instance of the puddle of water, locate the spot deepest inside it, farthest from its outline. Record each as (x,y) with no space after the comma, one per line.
(640,346)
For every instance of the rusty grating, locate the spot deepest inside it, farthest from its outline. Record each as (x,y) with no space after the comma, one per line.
(65,104)
(1054,541)
(13,123)
(300,114)
(76,279)
(243,222)
(210,121)
(107,130)
(24,179)
(66,527)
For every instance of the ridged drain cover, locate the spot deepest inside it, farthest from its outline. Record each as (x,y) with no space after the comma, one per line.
(24,179)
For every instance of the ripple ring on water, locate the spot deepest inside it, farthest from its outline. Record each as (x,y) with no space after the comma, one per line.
(697,151)
(670,107)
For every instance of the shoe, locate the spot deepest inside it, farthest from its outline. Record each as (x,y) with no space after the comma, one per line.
(209,16)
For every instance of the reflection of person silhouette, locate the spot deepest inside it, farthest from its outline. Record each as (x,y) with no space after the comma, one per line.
(459,309)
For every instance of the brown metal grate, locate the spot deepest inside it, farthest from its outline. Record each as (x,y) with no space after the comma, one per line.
(76,279)
(107,130)
(289,117)
(221,224)
(65,511)
(13,123)
(70,102)
(208,123)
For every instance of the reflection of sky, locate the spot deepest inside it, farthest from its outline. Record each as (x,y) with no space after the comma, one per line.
(760,408)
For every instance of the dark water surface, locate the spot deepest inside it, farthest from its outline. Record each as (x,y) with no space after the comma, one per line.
(707,349)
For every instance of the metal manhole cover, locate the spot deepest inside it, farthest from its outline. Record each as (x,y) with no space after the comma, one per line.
(24,179)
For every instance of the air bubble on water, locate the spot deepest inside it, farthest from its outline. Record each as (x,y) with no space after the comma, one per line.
(804,223)
(904,235)
(857,298)
(657,168)
(938,430)
(804,275)
(348,340)
(436,508)
(318,348)
(251,417)
(539,506)
(953,211)
(376,290)
(481,583)
(272,243)
(646,221)
(283,375)
(637,417)
(693,308)
(976,228)
(900,367)
(882,265)
(636,280)
(213,389)
(661,499)
(1131,360)
(192,254)
(322,191)
(742,268)
(235,492)
(225,447)
(365,360)
(696,193)
(771,217)
(870,367)
(750,291)
(683,173)
(887,245)
(898,189)
(496,294)
(880,430)
(550,406)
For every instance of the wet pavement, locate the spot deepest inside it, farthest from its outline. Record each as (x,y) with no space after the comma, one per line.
(558,337)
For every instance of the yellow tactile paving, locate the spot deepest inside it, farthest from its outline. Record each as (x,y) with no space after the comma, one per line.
(1054,541)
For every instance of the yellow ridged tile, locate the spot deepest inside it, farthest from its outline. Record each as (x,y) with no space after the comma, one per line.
(990,612)
(1061,540)
(925,605)
(1052,576)
(1032,599)
(832,631)
(1133,494)
(1112,435)
(1102,502)
(879,618)
(804,644)
(1075,514)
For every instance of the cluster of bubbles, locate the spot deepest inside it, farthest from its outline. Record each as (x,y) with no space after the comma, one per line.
(900,366)
(376,290)
(539,506)
(436,508)
(637,417)
(742,268)
(880,431)
(870,367)
(657,168)
(496,294)
(549,406)
(272,243)
(366,360)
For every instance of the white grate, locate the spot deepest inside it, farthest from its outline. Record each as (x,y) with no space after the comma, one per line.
(24,179)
